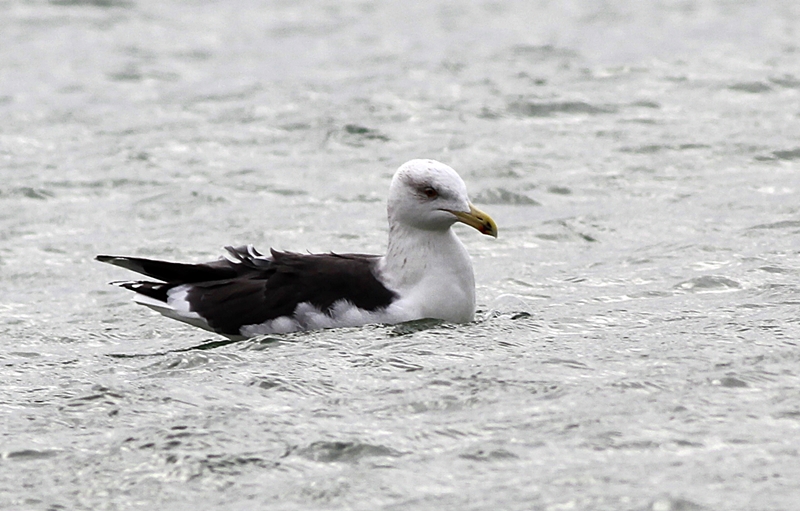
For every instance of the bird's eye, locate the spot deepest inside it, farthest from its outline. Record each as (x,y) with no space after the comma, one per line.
(430,192)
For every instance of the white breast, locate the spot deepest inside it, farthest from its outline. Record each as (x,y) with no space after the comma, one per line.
(432,273)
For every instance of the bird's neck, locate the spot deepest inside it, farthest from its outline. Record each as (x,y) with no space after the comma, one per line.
(412,252)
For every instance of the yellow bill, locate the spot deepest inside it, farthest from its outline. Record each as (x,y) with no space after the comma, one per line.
(477,219)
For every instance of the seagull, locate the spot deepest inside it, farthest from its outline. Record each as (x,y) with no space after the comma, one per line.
(426,272)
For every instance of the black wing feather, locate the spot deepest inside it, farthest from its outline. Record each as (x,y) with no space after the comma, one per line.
(173,272)
(250,288)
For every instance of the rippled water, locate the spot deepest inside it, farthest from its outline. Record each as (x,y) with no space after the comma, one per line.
(637,340)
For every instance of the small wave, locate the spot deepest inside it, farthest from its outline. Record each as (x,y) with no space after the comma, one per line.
(418,325)
(789,154)
(709,284)
(481,454)
(28,192)
(232,464)
(788,81)
(784,154)
(573,364)
(544,52)
(751,87)
(655,148)
(546,109)
(559,190)
(364,133)
(729,382)
(29,454)
(92,3)
(188,361)
(784,224)
(674,504)
(503,196)
(342,451)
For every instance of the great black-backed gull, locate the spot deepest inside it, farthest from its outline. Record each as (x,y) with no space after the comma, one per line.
(426,272)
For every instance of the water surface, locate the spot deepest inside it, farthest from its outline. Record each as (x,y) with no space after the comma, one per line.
(636,343)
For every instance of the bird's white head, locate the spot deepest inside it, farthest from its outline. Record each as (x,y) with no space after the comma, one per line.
(429,195)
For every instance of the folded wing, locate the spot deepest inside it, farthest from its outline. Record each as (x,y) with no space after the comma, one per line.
(248,288)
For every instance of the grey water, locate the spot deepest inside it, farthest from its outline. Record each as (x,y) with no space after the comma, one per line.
(636,344)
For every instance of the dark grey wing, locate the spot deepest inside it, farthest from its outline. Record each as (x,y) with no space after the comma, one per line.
(229,282)
(166,271)
(249,288)
(289,280)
